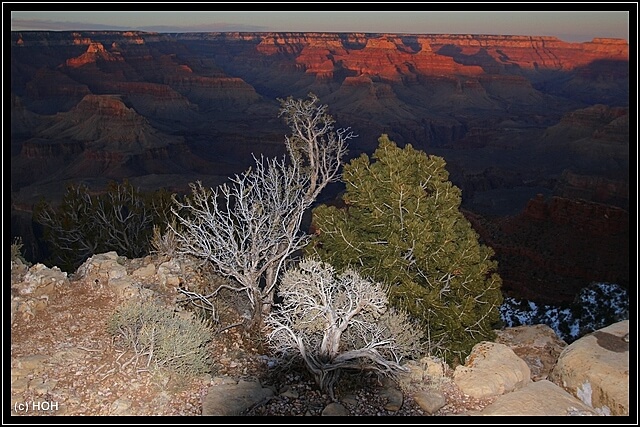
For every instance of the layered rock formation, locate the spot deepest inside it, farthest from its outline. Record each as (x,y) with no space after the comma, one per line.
(554,247)
(594,188)
(100,136)
(513,116)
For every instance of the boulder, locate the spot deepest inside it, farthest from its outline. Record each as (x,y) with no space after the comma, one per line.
(595,369)
(537,399)
(538,345)
(430,400)
(234,398)
(491,369)
(335,409)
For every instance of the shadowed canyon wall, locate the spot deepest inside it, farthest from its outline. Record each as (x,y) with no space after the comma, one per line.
(513,116)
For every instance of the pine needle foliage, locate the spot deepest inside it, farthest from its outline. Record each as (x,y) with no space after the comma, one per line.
(401,225)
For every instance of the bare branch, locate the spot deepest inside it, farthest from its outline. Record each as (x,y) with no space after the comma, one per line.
(335,321)
(248,227)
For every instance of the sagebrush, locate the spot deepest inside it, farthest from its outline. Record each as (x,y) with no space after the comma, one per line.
(16,251)
(162,337)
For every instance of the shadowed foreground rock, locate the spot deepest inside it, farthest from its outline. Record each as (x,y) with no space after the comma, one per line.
(233,398)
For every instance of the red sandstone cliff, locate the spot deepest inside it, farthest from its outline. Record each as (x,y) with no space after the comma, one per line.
(95,52)
(508,113)
(361,53)
(397,57)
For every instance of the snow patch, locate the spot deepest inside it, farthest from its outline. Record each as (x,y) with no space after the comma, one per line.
(596,306)
(584,393)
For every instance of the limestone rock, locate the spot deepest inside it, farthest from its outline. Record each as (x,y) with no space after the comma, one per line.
(491,369)
(102,268)
(42,280)
(394,398)
(595,369)
(538,345)
(147,270)
(430,400)
(427,372)
(335,409)
(169,273)
(537,398)
(31,288)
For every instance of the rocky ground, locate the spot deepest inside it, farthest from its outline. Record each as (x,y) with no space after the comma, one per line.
(65,362)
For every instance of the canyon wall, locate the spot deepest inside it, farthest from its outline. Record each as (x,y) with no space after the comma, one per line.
(513,116)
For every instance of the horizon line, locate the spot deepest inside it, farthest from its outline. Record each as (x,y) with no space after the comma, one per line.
(314,32)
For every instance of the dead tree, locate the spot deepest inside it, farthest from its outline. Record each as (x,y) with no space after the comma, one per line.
(336,322)
(247,228)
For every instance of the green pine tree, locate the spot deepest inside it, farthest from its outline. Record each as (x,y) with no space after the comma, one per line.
(401,225)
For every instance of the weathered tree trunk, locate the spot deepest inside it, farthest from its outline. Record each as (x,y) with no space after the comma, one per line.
(255,322)
(269,291)
(324,377)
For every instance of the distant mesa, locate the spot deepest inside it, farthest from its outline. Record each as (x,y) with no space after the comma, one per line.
(95,52)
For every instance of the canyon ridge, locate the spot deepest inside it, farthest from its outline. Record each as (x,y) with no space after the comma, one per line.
(534,130)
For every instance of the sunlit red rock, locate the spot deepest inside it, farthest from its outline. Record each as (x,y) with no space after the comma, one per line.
(507,113)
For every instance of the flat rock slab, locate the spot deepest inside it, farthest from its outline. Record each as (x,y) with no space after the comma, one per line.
(234,399)
(537,398)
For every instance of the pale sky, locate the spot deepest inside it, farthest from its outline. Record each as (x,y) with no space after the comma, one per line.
(569,26)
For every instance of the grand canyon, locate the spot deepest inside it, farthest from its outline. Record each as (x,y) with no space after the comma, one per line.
(534,130)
